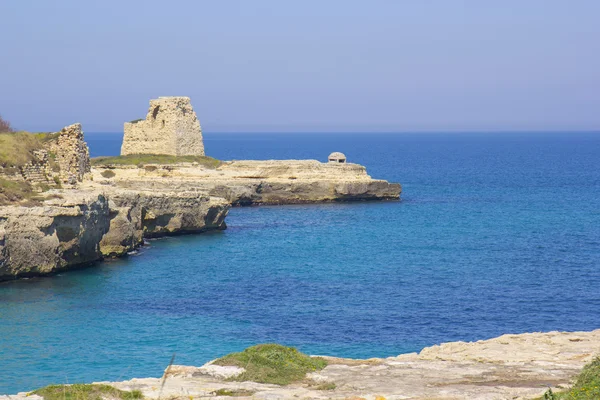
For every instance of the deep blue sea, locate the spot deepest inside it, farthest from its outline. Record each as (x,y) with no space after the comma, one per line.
(495,233)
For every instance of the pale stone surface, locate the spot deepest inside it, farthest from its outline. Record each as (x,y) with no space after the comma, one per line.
(259,182)
(171,127)
(509,367)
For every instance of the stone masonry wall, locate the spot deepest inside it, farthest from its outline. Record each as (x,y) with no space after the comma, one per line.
(171,127)
(72,154)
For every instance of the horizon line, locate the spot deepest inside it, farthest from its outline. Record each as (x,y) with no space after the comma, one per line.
(537,131)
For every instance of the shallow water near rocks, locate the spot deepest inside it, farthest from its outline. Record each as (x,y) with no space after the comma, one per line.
(495,233)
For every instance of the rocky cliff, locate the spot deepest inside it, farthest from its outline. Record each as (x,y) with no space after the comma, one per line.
(85,226)
(135,215)
(53,237)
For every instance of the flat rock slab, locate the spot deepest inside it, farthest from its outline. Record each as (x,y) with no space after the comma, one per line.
(508,367)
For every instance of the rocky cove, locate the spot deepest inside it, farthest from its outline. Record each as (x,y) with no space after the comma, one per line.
(87,212)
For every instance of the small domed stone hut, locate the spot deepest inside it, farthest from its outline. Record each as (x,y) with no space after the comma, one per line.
(337,157)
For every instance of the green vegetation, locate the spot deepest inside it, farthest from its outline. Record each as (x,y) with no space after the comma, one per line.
(108,174)
(142,159)
(14,191)
(586,387)
(5,125)
(233,392)
(272,363)
(86,392)
(16,149)
(135,121)
(326,386)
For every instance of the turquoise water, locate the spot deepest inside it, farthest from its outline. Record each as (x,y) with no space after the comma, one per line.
(495,234)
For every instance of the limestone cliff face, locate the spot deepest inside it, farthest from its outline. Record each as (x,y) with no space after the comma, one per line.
(138,214)
(87,226)
(171,127)
(41,240)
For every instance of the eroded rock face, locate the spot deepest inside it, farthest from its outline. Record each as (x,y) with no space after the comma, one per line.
(138,214)
(87,226)
(41,240)
(171,127)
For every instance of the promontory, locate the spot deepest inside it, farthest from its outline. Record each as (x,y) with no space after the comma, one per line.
(59,209)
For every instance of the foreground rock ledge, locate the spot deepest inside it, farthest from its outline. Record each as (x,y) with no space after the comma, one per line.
(508,367)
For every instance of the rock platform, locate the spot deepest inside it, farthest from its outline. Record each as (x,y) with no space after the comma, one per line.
(520,366)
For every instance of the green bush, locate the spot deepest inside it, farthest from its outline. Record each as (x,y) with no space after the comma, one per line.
(272,363)
(108,174)
(586,387)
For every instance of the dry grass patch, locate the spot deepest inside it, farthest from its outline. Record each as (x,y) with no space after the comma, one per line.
(142,159)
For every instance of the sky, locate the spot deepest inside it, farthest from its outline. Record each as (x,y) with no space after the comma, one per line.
(304,66)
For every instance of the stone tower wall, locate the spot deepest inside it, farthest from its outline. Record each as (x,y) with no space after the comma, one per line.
(171,127)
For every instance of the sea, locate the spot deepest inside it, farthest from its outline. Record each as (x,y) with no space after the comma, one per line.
(495,233)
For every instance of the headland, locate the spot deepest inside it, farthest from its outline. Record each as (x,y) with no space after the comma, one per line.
(61,210)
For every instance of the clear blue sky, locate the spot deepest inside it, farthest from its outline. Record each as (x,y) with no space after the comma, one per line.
(273,65)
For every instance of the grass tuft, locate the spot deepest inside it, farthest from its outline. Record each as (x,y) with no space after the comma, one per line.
(586,387)
(233,392)
(108,174)
(272,363)
(86,392)
(142,159)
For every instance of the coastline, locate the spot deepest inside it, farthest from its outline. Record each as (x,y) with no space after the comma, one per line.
(112,209)
(515,366)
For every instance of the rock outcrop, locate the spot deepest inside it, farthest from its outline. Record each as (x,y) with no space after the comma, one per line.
(135,215)
(171,127)
(59,235)
(88,225)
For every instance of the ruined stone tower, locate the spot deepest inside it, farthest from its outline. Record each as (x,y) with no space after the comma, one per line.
(171,127)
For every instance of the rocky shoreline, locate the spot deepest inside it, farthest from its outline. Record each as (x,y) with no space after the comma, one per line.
(87,210)
(109,214)
(521,366)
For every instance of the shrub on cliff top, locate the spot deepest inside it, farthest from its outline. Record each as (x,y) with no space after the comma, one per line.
(86,392)
(143,159)
(586,387)
(272,363)
(5,125)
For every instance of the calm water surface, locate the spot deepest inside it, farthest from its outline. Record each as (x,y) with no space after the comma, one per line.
(495,233)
